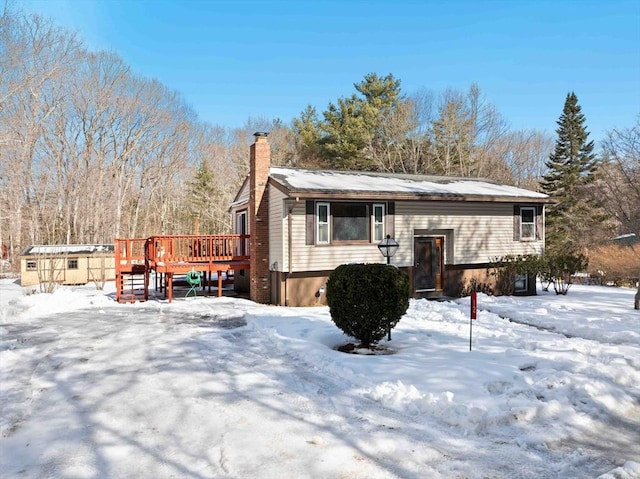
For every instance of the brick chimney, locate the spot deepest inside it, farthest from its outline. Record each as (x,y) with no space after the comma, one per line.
(259,162)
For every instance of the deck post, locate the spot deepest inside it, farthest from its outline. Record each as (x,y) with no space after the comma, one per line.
(170,286)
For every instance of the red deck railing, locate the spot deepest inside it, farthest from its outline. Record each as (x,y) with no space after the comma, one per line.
(176,254)
(197,249)
(129,252)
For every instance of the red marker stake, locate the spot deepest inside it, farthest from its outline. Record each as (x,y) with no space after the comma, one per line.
(473,315)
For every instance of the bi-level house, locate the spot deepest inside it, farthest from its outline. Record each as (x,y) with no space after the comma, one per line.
(305,223)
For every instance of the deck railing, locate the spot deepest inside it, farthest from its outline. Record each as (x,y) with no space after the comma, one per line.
(129,252)
(175,254)
(181,248)
(197,248)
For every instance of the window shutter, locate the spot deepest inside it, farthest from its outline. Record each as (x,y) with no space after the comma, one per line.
(391,212)
(540,222)
(516,222)
(310,222)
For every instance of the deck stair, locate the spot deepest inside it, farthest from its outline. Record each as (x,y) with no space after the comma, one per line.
(132,271)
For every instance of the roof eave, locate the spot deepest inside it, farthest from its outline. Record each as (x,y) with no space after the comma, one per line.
(390,195)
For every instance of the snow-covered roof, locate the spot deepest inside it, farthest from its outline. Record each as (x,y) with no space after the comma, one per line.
(627,236)
(627,239)
(359,183)
(57,249)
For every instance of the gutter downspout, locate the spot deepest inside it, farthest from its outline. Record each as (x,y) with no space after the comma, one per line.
(291,205)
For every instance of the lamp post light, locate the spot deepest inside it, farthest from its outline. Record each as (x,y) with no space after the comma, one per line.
(388,247)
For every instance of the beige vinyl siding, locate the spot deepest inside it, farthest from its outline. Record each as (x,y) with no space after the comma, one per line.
(241,203)
(481,231)
(324,257)
(277,229)
(243,194)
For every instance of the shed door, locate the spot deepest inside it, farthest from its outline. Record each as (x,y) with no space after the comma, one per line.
(428,263)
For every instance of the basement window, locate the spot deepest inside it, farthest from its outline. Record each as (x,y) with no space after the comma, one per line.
(522,283)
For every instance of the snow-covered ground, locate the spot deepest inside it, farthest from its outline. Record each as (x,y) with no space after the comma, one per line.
(225,388)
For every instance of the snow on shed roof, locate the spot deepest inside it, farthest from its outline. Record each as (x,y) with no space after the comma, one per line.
(331,181)
(68,249)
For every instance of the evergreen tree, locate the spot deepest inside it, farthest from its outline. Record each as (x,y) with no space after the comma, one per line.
(351,131)
(306,131)
(204,197)
(345,135)
(571,168)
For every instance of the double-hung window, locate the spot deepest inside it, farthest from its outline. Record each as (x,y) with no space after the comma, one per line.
(527,223)
(323,225)
(378,222)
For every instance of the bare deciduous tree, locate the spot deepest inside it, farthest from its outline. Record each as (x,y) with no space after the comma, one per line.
(465,136)
(618,184)
(525,154)
(36,57)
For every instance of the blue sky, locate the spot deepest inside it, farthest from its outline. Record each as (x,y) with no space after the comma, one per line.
(232,60)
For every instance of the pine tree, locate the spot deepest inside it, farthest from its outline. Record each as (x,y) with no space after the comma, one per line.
(571,168)
(306,131)
(204,199)
(350,133)
(345,135)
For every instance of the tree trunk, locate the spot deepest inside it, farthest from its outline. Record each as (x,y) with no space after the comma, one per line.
(636,304)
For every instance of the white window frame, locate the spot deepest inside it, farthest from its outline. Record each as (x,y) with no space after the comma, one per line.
(31,265)
(72,263)
(242,220)
(323,224)
(522,223)
(525,281)
(374,223)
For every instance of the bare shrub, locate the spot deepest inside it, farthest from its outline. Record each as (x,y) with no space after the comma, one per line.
(616,264)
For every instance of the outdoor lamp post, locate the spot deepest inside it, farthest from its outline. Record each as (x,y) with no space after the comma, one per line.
(388,247)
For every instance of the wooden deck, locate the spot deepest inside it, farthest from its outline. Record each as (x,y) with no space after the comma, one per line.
(169,255)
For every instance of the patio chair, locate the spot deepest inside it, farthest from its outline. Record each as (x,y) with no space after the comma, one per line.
(194,280)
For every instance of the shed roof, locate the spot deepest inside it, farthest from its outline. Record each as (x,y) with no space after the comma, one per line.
(58,249)
(397,186)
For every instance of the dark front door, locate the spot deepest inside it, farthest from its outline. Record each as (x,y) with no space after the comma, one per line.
(427,272)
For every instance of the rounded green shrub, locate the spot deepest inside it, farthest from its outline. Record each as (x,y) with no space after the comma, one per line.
(367,300)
